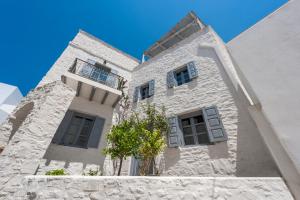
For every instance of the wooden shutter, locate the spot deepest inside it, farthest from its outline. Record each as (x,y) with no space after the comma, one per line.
(174,132)
(151,87)
(171,82)
(136,94)
(63,127)
(214,125)
(192,69)
(96,133)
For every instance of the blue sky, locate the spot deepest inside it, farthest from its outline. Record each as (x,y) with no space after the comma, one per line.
(35,32)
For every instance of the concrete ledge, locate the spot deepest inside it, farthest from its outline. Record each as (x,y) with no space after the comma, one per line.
(112,187)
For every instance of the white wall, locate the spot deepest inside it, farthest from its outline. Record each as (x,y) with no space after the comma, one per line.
(175,188)
(85,46)
(267,55)
(29,132)
(244,147)
(76,160)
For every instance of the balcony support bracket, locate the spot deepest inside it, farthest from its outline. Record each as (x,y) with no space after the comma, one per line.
(104,97)
(92,93)
(79,84)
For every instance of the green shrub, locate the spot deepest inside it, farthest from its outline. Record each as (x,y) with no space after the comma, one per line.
(92,172)
(56,172)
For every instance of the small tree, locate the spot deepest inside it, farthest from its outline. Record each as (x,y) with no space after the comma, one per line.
(121,114)
(124,103)
(122,142)
(140,136)
(152,129)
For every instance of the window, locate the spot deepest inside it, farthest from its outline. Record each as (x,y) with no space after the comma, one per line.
(194,130)
(78,131)
(199,127)
(182,76)
(100,73)
(145,91)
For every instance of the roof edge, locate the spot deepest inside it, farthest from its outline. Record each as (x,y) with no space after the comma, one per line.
(174,31)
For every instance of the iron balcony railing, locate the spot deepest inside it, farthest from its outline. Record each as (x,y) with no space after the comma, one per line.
(100,74)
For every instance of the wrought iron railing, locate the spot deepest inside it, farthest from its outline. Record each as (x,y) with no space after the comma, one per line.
(100,74)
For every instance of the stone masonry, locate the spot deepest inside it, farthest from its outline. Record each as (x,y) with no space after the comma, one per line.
(212,87)
(147,188)
(32,137)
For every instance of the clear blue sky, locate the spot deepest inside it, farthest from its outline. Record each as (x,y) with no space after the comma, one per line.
(35,32)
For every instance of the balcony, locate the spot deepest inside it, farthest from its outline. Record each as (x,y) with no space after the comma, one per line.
(94,82)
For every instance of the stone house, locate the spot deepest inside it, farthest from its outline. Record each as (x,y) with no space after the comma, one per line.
(63,122)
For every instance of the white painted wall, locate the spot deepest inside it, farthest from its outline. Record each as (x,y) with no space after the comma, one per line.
(28,133)
(244,154)
(154,188)
(85,46)
(73,159)
(267,55)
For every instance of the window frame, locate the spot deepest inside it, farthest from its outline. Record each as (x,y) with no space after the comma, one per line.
(102,72)
(145,86)
(182,72)
(195,134)
(79,130)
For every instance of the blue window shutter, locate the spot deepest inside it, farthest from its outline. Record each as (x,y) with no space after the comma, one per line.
(174,132)
(151,87)
(136,94)
(171,82)
(192,69)
(214,125)
(96,133)
(63,127)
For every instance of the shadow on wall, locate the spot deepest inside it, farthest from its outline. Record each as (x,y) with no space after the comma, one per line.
(218,150)
(252,156)
(74,160)
(170,157)
(19,117)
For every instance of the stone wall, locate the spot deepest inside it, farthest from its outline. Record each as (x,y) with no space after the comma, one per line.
(27,138)
(85,46)
(175,188)
(76,160)
(213,86)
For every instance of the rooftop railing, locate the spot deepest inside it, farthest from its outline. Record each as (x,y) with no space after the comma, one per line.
(98,73)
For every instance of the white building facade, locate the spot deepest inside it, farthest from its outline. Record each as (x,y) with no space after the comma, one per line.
(189,71)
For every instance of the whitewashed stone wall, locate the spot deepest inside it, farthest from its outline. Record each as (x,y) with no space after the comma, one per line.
(85,46)
(244,147)
(77,160)
(175,188)
(28,142)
